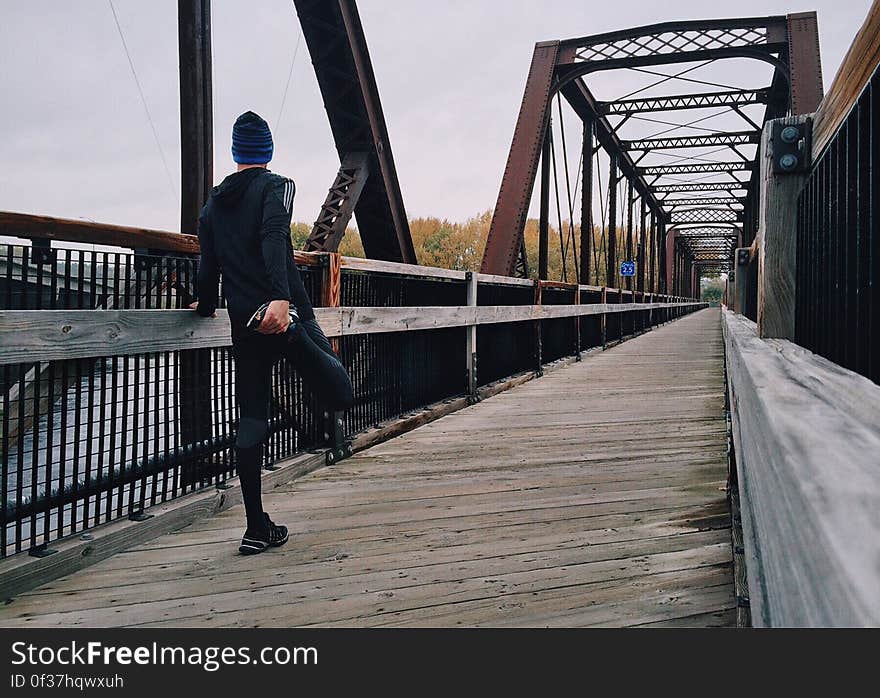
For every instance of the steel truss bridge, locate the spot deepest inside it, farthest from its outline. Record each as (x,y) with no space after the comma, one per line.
(627,455)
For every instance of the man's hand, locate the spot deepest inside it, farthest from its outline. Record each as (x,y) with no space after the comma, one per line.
(194,306)
(276,319)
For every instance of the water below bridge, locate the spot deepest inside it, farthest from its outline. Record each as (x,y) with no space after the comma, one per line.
(593,496)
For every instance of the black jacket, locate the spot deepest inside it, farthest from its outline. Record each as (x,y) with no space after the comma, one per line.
(244,233)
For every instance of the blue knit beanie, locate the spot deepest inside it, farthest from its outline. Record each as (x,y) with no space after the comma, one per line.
(251,140)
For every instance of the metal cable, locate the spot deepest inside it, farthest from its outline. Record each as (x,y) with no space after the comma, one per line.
(287,85)
(567,190)
(174,192)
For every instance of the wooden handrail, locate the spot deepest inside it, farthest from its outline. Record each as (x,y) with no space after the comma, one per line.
(859,65)
(51,335)
(68,230)
(806,434)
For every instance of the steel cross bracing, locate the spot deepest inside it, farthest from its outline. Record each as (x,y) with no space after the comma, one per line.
(727,98)
(708,201)
(673,161)
(692,187)
(741,138)
(702,168)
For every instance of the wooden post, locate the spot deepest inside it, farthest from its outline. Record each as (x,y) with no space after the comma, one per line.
(196,180)
(742,258)
(777,237)
(331,287)
(196,120)
(731,289)
(539,348)
(471,340)
(577,325)
(331,293)
(604,315)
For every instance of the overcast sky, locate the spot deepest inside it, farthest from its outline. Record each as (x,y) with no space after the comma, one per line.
(76,141)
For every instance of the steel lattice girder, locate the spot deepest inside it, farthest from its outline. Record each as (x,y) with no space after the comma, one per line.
(705,215)
(708,201)
(740,166)
(698,186)
(734,138)
(708,232)
(727,98)
(672,38)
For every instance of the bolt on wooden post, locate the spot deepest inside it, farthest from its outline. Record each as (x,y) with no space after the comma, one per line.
(785,159)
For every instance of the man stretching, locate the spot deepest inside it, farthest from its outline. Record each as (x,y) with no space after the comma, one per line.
(244,232)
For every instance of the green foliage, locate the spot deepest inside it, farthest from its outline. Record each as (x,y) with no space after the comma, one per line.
(712,289)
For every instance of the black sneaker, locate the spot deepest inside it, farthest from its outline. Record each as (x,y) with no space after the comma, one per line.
(272,536)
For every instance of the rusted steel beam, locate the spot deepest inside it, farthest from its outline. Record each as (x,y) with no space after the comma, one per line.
(196,111)
(508,221)
(611,249)
(804,63)
(335,38)
(338,207)
(630,200)
(544,212)
(587,202)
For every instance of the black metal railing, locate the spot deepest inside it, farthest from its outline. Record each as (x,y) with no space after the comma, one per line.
(838,245)
(86,441)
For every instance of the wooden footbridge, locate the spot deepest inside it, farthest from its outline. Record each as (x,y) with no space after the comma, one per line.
(600,449)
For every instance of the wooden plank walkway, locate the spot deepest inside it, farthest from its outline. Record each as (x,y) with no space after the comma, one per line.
(593,496)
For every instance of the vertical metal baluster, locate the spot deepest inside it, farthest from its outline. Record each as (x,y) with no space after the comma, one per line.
(77,438)
(111,453)
(4,454)
(19,473)
(50,440)
(157,421)
(90,436)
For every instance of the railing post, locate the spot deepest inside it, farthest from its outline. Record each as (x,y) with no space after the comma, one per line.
(471,340)
(577,325)
(742,261)
(539,349)
(331,295)
(604,321)
(331,287)
(790,139)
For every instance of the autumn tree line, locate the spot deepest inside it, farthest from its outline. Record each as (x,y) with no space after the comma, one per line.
(459,245)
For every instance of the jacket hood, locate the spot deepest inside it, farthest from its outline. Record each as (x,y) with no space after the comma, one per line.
(231,189)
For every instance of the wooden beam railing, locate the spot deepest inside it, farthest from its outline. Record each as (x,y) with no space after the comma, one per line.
(806,435)
(49,335)
(34,227)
